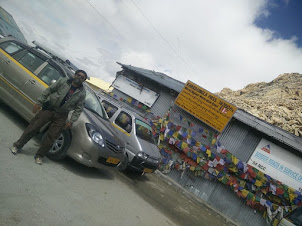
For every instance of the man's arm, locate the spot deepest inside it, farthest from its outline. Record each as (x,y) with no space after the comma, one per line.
(50,89)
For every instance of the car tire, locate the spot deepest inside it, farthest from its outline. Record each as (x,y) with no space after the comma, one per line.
(124,165)
(59,149)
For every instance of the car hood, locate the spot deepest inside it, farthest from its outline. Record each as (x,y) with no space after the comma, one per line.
(104,127)
(149,148)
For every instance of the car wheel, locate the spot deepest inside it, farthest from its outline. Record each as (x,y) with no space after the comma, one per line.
(59,149)
(123,166)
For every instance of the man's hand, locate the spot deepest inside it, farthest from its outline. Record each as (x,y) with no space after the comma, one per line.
(68,125)
(37,107)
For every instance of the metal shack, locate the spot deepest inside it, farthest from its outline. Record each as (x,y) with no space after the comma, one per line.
(247,137)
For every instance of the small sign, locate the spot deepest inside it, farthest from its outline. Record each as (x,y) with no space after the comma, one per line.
(205,106)
(278,163)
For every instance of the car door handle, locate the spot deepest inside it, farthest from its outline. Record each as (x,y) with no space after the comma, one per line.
(32,81)
(7,61)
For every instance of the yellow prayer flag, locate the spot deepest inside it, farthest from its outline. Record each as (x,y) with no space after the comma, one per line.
(161,137)
(242,183)
(198,159)
(261,174)
(235,160)
(233,169)
(244,192)
(258,183)
(175,134)
(192,168)
(213,141)
(184,145)
(208,152)
(292,196)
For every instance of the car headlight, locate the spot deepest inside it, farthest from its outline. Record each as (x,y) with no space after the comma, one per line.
(142,155)
(95,135)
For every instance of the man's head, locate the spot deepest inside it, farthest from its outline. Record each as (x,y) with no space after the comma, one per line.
(79,77)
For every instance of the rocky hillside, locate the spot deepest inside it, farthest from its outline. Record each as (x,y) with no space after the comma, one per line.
(278,102)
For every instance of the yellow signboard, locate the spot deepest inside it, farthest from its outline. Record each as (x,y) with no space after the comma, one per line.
(205,106)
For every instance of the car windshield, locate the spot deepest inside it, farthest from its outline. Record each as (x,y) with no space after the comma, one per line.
(144,131)
(92,104)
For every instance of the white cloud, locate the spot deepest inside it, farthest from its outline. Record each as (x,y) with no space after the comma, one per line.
(212,43)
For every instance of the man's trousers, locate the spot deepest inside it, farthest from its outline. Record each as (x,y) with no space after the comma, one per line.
(57,123)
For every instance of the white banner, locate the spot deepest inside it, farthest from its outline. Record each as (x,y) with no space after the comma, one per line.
(133,89)
(278,163)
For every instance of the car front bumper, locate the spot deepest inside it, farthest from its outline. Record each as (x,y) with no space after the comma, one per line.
(149,165)
(92,154)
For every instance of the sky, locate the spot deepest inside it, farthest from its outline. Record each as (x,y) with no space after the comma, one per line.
(215,44)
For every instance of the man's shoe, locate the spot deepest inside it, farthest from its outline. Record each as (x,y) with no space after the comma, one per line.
(38,160)
(14,149)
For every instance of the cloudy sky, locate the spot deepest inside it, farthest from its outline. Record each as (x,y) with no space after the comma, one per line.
(215,44)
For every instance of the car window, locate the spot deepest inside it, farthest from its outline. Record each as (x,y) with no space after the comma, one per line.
(19,55)
(49,74)
(296,216)
(124,121)
(93,104)
(144,131)
(31,61)
(110,108)
(10,47)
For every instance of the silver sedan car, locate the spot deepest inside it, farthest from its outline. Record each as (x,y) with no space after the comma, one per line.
(25,72)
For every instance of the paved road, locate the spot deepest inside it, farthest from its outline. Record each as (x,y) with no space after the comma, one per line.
(67,193)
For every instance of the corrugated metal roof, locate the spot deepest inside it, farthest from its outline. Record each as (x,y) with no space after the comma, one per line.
(241,115)
(269,129)
(158,77)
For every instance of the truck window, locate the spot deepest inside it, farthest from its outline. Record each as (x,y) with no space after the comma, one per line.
(124,121)
(144,131)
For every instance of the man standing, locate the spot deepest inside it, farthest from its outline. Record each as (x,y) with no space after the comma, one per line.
(54,105)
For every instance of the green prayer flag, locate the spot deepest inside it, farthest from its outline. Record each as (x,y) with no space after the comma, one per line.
(250,196)
(286,195)
(224,180)
(229,156)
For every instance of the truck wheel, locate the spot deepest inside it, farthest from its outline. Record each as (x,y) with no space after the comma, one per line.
(59,149)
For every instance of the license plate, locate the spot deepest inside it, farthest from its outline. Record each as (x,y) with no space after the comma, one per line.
(112,160)
(146,170)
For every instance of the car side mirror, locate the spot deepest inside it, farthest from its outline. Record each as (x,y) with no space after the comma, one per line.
(53,81)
